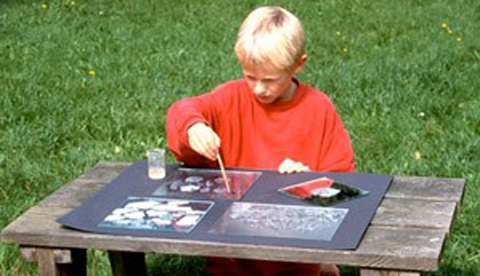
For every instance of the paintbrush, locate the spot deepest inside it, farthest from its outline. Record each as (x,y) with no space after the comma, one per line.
(224,175)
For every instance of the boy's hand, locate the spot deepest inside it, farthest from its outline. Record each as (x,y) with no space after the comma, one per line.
(290,166)
(204,140)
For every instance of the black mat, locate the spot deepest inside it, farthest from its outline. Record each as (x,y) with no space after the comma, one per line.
(134,182)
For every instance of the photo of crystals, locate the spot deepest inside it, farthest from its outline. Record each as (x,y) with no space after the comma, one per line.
(207,184)
(280,221)
(323,191)
(157,214)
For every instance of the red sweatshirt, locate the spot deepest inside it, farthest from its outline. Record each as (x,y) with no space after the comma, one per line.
(255,135)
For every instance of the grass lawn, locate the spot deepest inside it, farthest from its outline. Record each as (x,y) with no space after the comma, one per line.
(83,81)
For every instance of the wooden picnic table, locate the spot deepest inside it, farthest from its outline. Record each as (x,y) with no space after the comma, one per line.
(405,237)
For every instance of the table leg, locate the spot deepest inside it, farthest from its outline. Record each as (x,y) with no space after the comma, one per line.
(127,263)
(378,272)
(57,262)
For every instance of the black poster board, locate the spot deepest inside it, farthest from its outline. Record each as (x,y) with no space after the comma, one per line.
(209,218)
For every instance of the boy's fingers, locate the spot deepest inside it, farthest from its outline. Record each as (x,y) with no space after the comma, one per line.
(209,147)
(294,167)
(297,167)
(203,140)
(214,144)
(197,145)
(285,166)
(281,168)
(290,166)
(212,155)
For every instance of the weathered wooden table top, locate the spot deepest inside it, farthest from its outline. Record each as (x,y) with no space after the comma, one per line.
(407,232)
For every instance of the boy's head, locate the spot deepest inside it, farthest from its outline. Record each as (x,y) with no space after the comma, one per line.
(271,38)
(271,49)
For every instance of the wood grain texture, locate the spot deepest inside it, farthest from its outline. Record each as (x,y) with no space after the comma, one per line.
(373,272)
(86,186)
(46,263)
(105,171)
(427,188)
(412,213)
(61,256)
(73,194)
(29,254)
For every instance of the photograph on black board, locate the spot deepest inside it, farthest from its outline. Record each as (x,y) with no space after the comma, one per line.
(323,191)
(157,214)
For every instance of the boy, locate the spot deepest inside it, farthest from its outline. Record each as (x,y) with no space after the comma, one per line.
(267,120)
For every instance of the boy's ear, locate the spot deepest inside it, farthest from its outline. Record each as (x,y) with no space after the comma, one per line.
(301,63)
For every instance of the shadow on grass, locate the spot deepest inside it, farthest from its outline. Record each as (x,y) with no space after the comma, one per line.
(175,265)
(349,271)
(195,266)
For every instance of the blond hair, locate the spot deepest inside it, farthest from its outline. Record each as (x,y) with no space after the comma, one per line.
(271,37)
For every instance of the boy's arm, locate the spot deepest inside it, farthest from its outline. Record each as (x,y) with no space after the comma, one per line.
(184,114)
(336,150)
(180,117)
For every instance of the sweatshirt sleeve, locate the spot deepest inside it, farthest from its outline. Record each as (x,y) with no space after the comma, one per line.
(337,151)
(185,113)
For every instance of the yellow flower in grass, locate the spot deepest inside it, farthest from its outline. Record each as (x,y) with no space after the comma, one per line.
(73,3)
(345,49)
(418,155)
(117,149)
(44,6)
(444,25)
(338,33)
(459,39)
(92,73)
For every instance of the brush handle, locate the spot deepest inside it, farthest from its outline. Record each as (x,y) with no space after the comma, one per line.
(224,175)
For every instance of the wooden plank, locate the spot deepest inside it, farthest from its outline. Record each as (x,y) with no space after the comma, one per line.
(29,254)
(105,171)
(403,244)
(74,194)
(412,213)
(127,263)
(382,247)
(86,186)
(46,262)
(61,256)
(427,188)
(374,272)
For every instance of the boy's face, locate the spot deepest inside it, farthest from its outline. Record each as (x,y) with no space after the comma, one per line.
(270,85)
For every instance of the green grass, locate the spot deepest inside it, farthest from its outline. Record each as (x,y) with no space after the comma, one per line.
(403,85)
